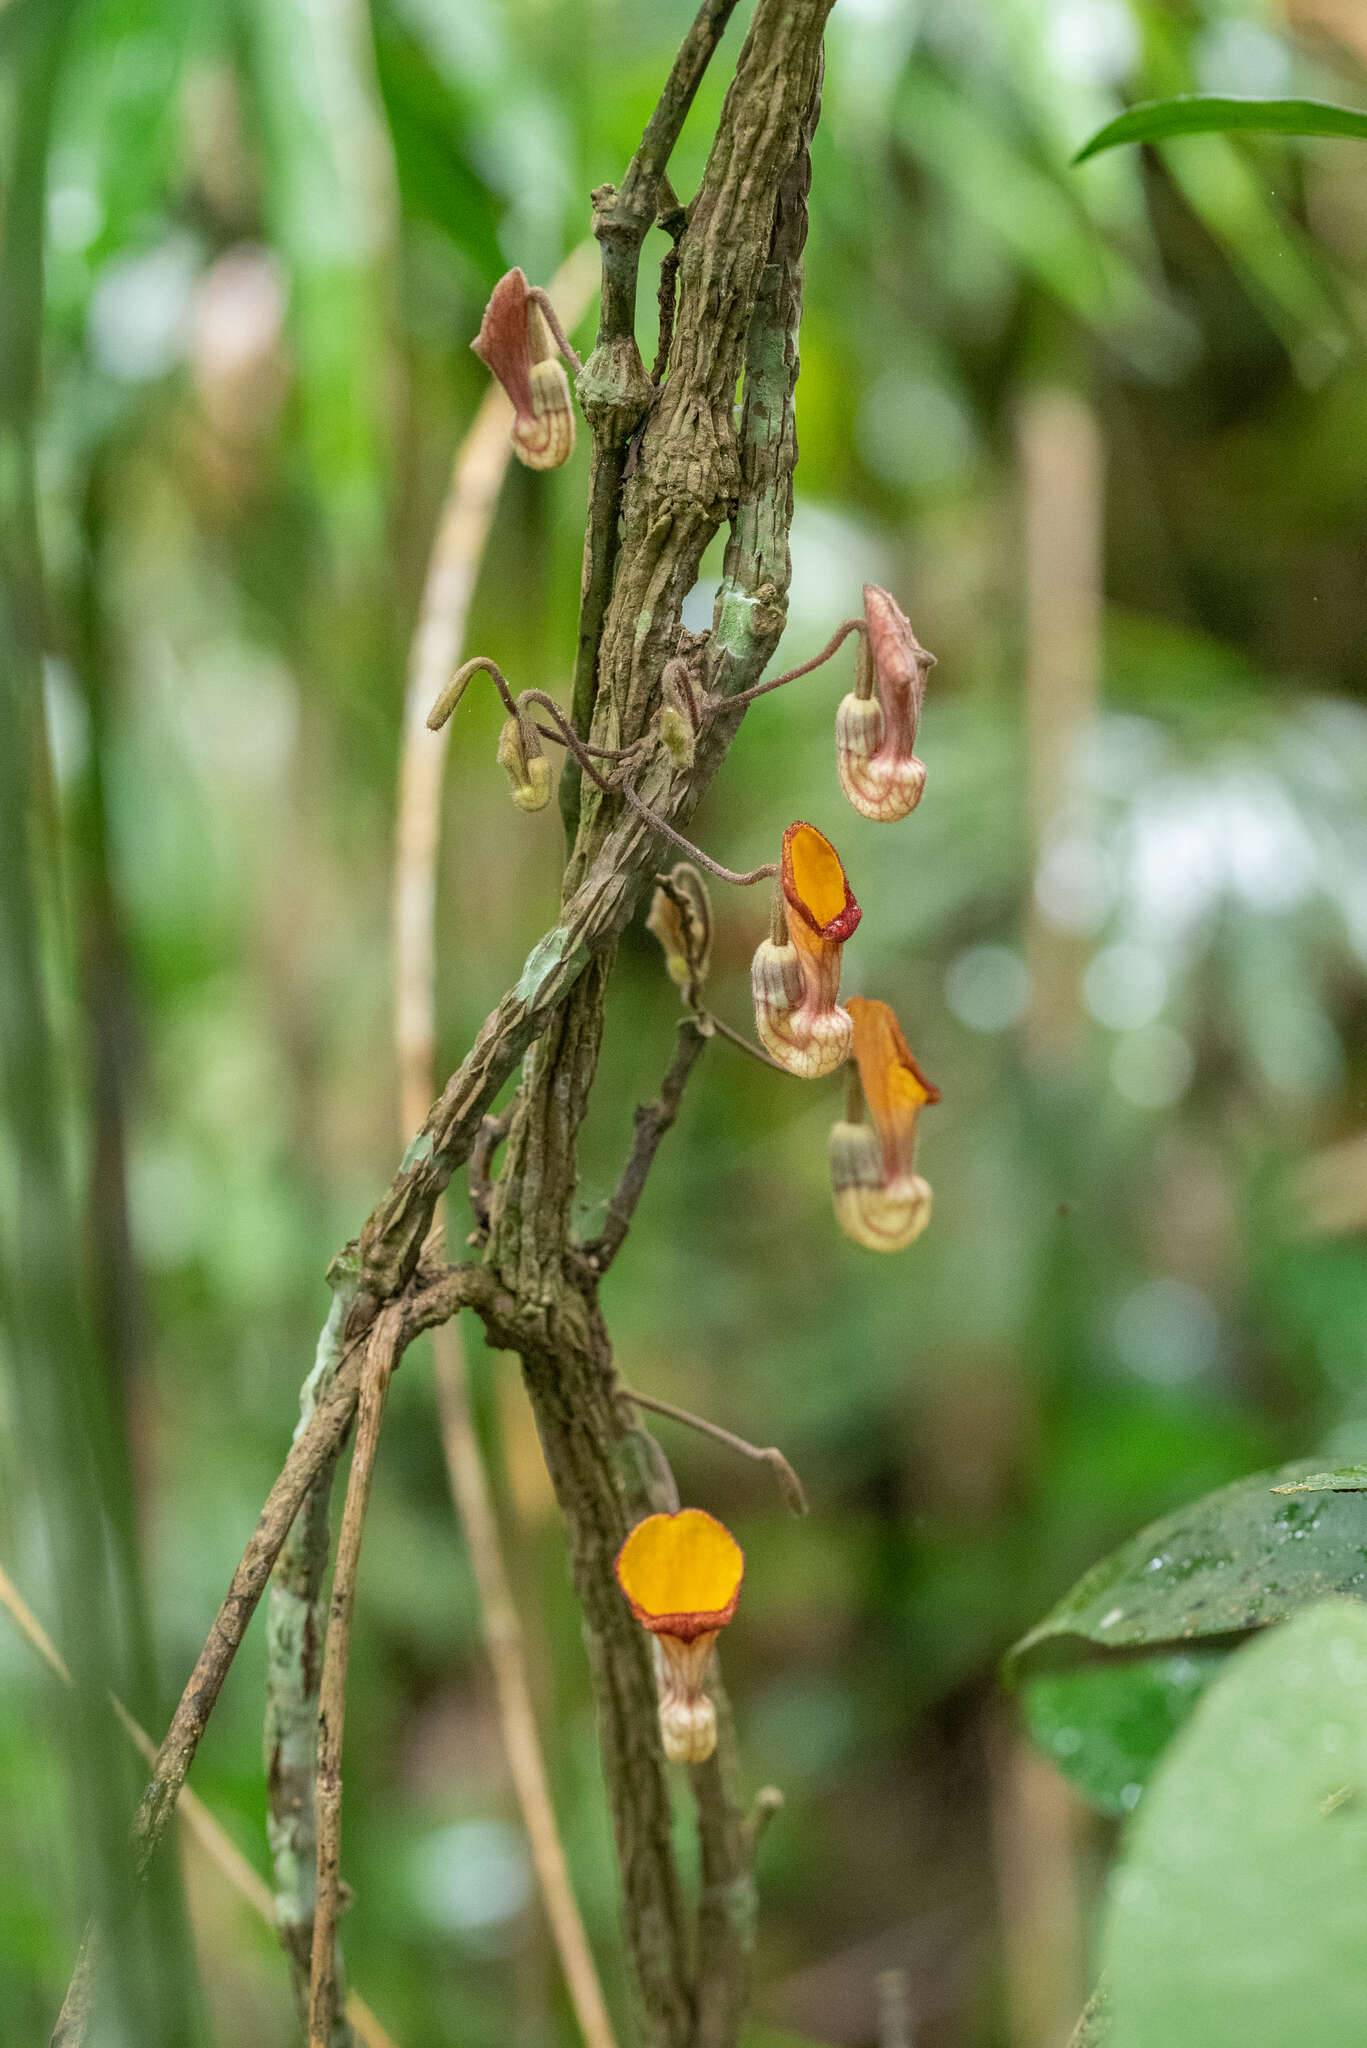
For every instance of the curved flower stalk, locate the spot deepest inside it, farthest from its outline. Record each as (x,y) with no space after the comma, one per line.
(521,341)
(795,974)
(875,725)
(681,1575)
(880,1200)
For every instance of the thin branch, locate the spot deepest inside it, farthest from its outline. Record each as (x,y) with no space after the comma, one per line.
(570,738)
(651,1122)
(711,1022)
(658,1486)
(622,217)
(639,192)
(790,1486)
(768,1801)
(296,1626)
(746,880)
(805,668)
(217,1844)
(437,1300)
(308,1455)
(561,339)
(382,1356)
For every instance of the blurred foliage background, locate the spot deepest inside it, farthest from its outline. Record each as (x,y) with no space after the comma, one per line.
(1102,432)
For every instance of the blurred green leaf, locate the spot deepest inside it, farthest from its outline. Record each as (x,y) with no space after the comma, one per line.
(1236,1560)
(1235,1916)
(1106,1723)
(1208,114)
(428,123)
(1037,218)
(331,200)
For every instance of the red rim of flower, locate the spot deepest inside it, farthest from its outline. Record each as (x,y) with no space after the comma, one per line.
(685,1628)
(837,928)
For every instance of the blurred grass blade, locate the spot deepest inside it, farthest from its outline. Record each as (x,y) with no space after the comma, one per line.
(331,201)
(58,1391)
(1209,114)
(1036,218)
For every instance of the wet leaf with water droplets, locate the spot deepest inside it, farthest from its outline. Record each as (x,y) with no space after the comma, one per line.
(1234,1561)
(1112,1673)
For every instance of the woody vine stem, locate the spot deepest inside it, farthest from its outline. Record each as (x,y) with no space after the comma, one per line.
(670,466)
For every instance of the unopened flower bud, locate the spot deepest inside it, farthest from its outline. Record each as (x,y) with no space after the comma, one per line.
(515,342)
(681,919)
(681,1575)
(678,723)
(875,726)
(526,766)
(880,1200)
(795,977)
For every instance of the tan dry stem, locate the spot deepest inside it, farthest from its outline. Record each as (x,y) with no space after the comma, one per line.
(383,1355)
(213,1840)
(478,473)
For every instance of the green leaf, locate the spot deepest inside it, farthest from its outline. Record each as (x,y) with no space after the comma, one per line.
(1038,220)
(1106,1722)
(1236,1560)
(1207,114)
(1343,1479)
(1235,1916)
(330,200)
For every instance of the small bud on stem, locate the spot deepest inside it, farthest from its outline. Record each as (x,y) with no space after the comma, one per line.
(521,755)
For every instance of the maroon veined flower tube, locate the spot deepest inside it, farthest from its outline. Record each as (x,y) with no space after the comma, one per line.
(875,725)
(516,342)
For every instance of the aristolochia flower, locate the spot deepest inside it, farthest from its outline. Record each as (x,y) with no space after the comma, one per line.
(515,341)
(795,974)
(875,726)
(681,1575)
(880,1201)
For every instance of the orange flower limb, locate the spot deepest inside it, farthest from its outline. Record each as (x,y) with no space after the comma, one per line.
(795,979)
(681,1575)
(880,1200)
